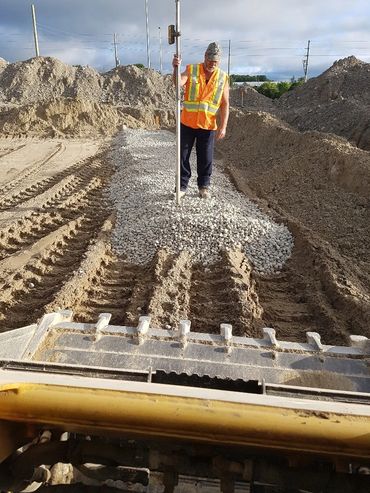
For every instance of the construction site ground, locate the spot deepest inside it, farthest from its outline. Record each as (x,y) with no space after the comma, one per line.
(56,219)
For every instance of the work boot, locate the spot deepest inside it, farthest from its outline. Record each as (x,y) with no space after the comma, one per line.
(203,193)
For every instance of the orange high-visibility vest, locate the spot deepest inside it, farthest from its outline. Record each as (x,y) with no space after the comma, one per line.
(202,99)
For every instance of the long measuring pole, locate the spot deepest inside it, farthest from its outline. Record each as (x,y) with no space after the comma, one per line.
(35,30)
(178,105)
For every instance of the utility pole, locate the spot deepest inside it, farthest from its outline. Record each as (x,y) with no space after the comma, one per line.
(35,30)
(160,52)
(115,50)
(228,60)
(305,61)
(147,33)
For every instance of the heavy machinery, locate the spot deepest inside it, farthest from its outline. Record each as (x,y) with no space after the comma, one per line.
(99,407)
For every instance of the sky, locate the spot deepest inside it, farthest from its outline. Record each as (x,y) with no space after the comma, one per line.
(266,37)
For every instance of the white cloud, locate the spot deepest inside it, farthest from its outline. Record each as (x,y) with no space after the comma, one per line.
(270,36)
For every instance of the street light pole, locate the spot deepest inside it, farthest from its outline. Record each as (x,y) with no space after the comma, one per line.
(160,51)
(229,60)
(35,30)
(305,61)
(147,33)
(115,50)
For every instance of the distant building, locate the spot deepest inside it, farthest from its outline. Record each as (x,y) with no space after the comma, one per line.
(252,83)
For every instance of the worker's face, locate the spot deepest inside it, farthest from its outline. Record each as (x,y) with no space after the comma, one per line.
(210,65)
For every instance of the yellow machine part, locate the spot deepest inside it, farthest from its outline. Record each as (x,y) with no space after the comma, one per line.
(140,414)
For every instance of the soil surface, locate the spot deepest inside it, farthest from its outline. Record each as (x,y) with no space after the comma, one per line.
(56,218)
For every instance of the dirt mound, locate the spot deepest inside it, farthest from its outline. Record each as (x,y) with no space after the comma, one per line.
(3,64)
(320,185)
(337,101)
(319,179)
(45,97)
(346,78)
(45,79)
(133,86)
(78,118)
(247,97)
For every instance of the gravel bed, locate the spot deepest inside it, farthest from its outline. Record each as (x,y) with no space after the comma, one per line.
(148,217)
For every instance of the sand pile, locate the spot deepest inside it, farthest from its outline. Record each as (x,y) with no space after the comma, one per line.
(3,64)
(133,86)
(320,180)
(337,101)
(320,185)
(45,97)
(78,118)
(44,79)
(245,96)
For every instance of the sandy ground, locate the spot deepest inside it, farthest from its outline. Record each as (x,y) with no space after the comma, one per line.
(55,252)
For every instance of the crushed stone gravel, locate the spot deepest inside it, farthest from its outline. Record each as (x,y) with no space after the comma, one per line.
(148,217)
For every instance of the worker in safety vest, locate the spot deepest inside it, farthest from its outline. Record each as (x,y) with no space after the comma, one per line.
(206,91)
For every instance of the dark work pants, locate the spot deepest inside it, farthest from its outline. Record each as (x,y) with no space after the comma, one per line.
(204,145)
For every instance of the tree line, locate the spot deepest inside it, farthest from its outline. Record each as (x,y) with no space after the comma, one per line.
(269,88)
(248,78)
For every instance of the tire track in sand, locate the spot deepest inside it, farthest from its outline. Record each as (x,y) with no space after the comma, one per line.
(83,170)
(11,150)
(168,289)
(225,293)
(33,169)
(105,283)
(286,308)
(47,212)
(47,255)
(40,274)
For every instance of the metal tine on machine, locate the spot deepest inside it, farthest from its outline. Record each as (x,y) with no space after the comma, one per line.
(143,328)
(226,331)
(269,335)
(184,331)
(314,339)
(57,339)
(360,342)
(101,324)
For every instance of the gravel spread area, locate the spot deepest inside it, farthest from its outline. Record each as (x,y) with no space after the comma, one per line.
(148,217)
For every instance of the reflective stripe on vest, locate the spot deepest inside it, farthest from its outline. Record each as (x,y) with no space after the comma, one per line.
(201,106)
(202,98)
(194,84)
